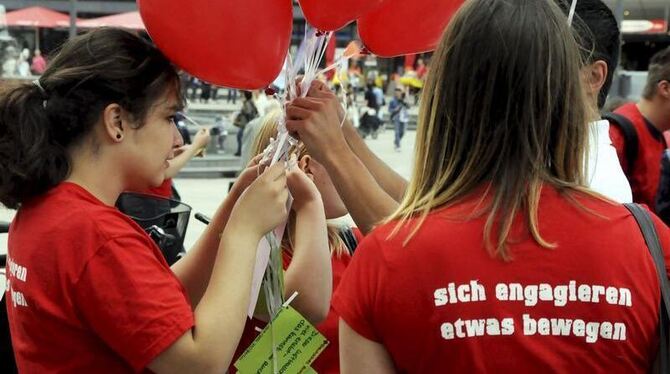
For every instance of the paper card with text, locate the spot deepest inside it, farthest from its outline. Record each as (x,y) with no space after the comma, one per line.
(297,343)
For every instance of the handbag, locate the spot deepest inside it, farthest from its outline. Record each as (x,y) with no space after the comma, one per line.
(654,245)
(240,120)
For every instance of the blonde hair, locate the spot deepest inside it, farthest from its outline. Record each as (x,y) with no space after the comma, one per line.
(503,109)
(268,130)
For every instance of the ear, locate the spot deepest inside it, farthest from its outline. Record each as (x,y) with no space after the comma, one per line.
(595,76)
(664,89)
(305,164)
(113,117)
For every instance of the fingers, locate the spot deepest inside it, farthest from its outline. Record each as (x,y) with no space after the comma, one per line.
(180,150)
(275,172)
(294,112)
(307,103)
(255,160)
(294,127)
(317,88)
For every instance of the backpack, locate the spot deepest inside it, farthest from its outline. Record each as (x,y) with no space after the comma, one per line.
(631,140)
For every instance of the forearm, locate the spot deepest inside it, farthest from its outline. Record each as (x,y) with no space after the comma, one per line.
(310,271)
(220,315)
(195,269)
(392,183)
(178,162)
(367,202)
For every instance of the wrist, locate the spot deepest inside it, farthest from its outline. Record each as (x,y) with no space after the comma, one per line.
(241,233)
(314,204)
(337,154)
(236,190)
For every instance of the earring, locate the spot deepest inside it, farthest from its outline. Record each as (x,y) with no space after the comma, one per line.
(118,136)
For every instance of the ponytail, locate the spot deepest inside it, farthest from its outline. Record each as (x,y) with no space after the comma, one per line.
(31,161)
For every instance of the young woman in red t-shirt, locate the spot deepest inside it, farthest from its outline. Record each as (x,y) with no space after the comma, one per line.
(499,258)
(310,247)
(90,290)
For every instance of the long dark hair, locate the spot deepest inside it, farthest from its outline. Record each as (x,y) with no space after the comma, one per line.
(40,121)
(503,107)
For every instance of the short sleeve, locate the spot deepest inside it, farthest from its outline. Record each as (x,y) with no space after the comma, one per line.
(132,301)
(355,299)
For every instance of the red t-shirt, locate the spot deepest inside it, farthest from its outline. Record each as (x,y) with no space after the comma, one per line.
(646,172)
(329,360)
(90,291)
(443,304)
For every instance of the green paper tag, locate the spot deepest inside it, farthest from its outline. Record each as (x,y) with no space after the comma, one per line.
(297,342)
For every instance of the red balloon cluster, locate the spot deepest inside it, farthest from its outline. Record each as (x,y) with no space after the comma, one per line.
(243,44)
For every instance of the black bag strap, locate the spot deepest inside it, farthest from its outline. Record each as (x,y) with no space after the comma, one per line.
(654,245)
(349,239)
(629,133)
(662,199)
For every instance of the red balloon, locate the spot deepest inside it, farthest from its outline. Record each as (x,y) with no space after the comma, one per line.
(401,27)
(330,15)
(232,43)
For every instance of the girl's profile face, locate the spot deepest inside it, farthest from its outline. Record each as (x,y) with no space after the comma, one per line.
(151,146)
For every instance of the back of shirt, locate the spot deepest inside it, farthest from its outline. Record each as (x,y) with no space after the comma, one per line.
(89,291)
(443,304)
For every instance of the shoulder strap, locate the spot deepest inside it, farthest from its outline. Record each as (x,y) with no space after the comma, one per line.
(629,133)
(654,245)
(349,239)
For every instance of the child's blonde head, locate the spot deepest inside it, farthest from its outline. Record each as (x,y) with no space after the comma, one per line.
(333,205)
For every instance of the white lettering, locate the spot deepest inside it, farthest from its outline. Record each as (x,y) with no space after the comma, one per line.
(441,297)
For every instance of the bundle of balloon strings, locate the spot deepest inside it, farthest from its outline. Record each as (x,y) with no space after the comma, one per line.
(307,62)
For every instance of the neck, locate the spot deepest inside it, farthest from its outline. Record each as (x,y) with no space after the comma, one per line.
(659,117)
(593,113)
(96,175)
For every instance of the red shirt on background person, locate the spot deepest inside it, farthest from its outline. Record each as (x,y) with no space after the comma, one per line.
(644,175)
(650,117)
(164,190)
(421,69)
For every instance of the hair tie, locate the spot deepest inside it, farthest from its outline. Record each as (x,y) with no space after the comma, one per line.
(37,83)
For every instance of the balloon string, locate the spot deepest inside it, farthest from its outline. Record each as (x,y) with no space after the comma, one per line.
(571,14)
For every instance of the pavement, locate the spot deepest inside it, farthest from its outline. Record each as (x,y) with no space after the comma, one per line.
(205,195)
